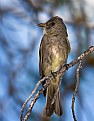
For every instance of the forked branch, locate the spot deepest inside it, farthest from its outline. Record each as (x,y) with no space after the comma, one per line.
(49,78)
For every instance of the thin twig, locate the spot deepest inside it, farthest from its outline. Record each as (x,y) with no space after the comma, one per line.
(36,97)
(76,89)
(32,103)
(33,92)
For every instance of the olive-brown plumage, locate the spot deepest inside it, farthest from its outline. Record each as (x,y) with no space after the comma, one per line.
(53,53)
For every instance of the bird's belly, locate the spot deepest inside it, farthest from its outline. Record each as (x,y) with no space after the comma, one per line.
(55,57)
(58,58)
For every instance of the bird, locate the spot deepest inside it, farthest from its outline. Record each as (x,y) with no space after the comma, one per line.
(53,53)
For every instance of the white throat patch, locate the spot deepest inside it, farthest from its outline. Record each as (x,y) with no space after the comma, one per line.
(44,31)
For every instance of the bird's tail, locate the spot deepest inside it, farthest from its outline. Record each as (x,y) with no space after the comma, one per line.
(56,106)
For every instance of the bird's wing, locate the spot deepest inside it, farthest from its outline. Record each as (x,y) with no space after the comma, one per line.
(41,64)
(41,61)
(68,43)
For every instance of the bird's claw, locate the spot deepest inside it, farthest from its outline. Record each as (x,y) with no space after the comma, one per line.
(67,66)
(53,74)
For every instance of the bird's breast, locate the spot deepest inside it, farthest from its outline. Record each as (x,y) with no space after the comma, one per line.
(55,53)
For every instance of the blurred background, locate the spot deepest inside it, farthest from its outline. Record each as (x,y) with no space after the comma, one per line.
(19,60)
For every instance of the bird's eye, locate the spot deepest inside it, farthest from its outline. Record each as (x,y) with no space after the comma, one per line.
(49,25)
(52,23)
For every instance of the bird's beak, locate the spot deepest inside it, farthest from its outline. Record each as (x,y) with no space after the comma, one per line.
(42,25)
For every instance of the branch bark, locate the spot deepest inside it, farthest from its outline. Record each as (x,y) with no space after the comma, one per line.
(76,89)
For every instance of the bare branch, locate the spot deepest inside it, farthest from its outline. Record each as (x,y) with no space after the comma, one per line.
(32,103)
(49,78)
(76,88)
(33,92)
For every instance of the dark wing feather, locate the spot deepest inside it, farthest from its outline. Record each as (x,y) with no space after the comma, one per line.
(68,43)
(41,61)
(41,64)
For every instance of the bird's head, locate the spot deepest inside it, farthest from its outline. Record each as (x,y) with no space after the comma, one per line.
(53,26)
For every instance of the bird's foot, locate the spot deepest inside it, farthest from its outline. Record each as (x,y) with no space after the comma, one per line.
(67,66)
(54,74)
